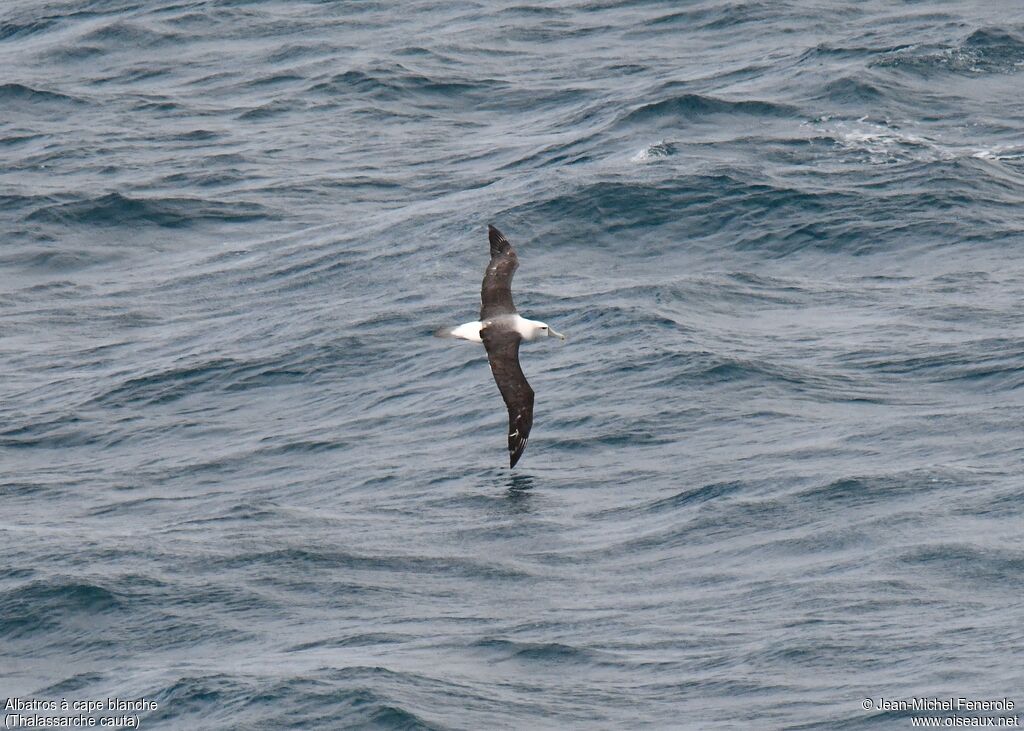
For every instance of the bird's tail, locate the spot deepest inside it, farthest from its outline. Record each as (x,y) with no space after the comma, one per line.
(445,332)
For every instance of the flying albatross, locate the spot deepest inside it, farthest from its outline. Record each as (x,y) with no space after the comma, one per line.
(501,329)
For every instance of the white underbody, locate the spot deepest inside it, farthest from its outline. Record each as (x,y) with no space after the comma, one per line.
(529,329)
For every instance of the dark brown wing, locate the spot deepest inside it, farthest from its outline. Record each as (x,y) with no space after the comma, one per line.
(496,291)
(503,354)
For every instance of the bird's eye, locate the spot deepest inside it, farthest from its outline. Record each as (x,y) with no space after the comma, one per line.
(543,327)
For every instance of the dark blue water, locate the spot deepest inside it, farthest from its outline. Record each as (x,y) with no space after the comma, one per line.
(775,470)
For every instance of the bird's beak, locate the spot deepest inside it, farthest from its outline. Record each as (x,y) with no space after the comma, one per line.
(557,335)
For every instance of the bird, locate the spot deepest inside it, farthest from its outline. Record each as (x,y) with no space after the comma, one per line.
(501,329)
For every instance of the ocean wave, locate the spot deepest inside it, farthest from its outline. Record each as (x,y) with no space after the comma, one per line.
(985,51)
(11,29)
(117,209)
(715,17)
(55,260)
(977,565)
(851,90)
(994,363)
(692,497)
(774,218)
(42,606)
(126,34)
(330,559)
(396,82)
(695,107)
(371,639)
(17,94)
(71,684)
(269,110)
(227,374)
(67,431)
(552,652)
(851,491)
(352,698)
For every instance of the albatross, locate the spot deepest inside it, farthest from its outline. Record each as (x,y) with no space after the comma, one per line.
(501,329)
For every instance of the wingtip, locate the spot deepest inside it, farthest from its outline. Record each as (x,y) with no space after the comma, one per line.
(499,244)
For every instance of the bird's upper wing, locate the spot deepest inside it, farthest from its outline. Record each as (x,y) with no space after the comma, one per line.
(503,354)
(496,291)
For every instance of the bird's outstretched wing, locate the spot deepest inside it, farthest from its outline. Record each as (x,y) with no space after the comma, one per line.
(503,355)
(496,291)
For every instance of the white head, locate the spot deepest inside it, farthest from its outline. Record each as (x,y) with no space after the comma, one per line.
(543,330)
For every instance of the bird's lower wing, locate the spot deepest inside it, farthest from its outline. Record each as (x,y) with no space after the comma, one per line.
(503,355)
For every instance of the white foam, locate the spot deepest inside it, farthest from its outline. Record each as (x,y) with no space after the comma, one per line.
(654,151)
(884,141)
(1000,152)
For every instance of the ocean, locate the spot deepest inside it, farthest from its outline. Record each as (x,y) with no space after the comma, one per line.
(775,474)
